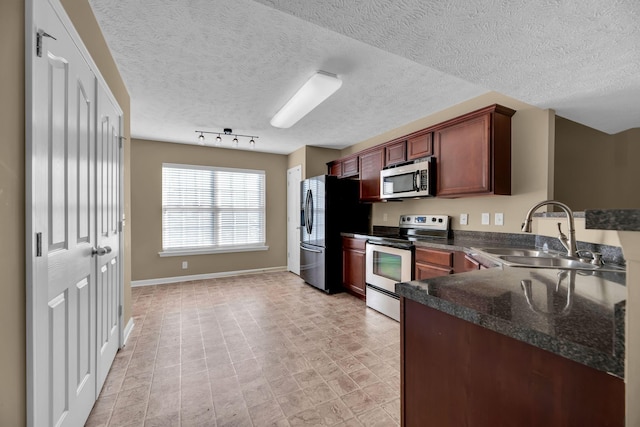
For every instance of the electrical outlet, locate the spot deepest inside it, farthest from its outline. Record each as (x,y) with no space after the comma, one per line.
(498,219)
(185,265)
(385,217)
(485,218)
(464,219)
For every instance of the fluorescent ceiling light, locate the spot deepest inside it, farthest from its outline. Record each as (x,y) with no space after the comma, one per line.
(318,88)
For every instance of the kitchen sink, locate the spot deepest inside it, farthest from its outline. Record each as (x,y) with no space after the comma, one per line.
(519,257)
(547,261)
(517,252)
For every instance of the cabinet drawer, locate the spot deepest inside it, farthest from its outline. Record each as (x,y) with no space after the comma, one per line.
(351,243)
(434,256)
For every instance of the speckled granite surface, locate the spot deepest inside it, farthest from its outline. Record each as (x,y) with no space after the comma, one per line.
(613,219)
(583,320)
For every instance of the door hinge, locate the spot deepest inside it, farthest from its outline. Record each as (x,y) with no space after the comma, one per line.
(122,138)
(39,35)
(38,244)
(120,226)
(119,310)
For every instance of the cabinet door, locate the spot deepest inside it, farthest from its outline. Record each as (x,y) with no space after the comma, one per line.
(419,146)
(428,271)
(463,155)
(395,153)
(353,270)
(350,166)
(370,167)
(335,168)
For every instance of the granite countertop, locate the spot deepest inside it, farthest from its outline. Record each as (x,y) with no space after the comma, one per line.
(585,324)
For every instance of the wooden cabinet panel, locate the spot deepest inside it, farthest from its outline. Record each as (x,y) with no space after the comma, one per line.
(353,266)
(420,146)
(335,168)
(395,153)
(463,158)
(371,164)
(473,154)
(350,166)
(428,271)
(455,373)
(344,168)
(434,256)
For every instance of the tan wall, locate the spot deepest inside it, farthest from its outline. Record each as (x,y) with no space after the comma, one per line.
(595,170)
(146,195)
(317,159)
(12,212)
(312,159)
(298,158)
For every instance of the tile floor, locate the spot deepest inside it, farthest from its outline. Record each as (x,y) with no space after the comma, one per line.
(258,350)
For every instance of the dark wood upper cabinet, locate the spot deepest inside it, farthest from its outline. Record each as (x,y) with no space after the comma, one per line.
(395,153)
(473,153)
(335,168)
(420,146)
(344,168)
(371,163)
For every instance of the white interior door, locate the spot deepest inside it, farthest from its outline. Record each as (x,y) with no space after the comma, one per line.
(63,286)
(294,176)
(108,233)
(73,209)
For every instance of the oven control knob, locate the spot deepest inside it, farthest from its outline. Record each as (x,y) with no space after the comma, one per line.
(408,218)
(439,219)
(433,219)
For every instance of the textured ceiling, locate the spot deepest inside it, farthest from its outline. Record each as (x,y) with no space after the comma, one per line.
(210,64)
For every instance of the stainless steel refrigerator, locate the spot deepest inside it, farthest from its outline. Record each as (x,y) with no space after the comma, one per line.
(329,206)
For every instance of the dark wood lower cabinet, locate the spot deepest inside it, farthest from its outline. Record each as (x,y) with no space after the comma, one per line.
(455,373)
(353,267)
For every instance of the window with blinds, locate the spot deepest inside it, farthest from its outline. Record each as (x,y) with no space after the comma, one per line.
(209,208)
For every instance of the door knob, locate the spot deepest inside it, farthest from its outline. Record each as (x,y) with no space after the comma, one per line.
(101,251)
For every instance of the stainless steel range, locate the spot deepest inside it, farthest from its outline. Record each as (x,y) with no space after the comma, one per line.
(390,259)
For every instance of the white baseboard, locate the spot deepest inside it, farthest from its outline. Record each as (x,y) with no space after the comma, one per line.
(127,331)
(166,280)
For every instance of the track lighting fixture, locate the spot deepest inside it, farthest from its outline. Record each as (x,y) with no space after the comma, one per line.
(226,131)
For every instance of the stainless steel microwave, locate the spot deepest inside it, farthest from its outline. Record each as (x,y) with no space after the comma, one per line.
(408,181)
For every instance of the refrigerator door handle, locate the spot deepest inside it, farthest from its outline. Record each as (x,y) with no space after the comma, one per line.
(311,208)
(304,248)
(307,212)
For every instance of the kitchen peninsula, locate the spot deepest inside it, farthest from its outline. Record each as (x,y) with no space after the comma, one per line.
(513,346)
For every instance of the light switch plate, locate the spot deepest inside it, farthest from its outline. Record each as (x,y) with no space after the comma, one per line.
(185,265)
(385,217)
(464,219)
(498,219)
(485,218)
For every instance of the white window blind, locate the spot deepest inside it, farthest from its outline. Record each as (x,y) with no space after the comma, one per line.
(209,208)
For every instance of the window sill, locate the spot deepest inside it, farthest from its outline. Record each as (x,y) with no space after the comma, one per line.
(207,251)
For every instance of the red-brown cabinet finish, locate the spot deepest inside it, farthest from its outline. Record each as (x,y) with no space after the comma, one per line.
(353,267)
(395,153)
(431,263)
(335,168)
(456,373)
(350,166)
(371,163)
(473,154)
(420,146)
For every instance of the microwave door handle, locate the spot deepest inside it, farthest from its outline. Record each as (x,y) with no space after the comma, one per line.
(416,181)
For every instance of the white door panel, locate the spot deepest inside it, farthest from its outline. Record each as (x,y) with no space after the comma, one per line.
(64,310)
(65,222)
(108,238)
(294,176)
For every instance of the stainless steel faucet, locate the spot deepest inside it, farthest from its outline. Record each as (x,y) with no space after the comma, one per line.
(570,243)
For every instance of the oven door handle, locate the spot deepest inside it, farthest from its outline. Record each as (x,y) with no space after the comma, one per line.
(407,246)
